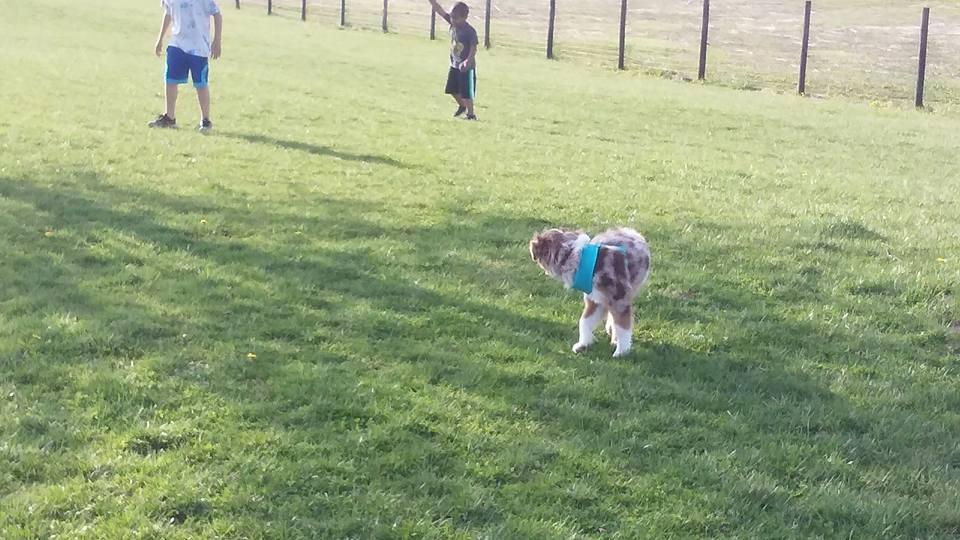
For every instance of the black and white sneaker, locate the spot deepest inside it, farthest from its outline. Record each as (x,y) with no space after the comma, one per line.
(206,126)
(460,111)
(163,121)
(471,117)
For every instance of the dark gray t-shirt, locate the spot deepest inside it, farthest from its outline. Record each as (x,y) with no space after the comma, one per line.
(462,41)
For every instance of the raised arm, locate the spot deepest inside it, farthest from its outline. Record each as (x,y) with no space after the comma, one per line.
(440,11)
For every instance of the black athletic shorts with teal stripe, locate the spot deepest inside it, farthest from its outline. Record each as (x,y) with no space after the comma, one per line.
(462,83)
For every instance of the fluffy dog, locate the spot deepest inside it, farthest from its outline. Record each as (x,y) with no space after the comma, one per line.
(622,263)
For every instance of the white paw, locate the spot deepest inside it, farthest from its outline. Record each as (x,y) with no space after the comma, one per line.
(581,346)
(621,352)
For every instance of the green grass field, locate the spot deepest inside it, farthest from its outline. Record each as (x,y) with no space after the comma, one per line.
(322,321)
(865,50)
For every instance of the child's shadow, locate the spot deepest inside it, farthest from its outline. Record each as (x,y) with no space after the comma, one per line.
(316,149)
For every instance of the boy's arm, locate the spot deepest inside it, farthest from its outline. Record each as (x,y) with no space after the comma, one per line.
(217,30)
(440,11)
(163,30)
(470,61)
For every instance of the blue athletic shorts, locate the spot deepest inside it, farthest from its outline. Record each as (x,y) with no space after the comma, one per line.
(179,64)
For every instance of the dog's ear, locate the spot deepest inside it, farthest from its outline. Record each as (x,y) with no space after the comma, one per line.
(540,245)
(535,246)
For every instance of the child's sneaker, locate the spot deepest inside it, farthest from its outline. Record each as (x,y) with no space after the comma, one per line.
(205,126)
(163,121)
(471,117)
(460,111)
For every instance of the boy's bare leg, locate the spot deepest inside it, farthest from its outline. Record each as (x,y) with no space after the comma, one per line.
(461,104)
(203,96)
(171,93)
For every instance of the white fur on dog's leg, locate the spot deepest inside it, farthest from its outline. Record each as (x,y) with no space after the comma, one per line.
(624,341)
(587,326)
(611,329)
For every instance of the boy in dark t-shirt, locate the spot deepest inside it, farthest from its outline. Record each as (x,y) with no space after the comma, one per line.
(462,78)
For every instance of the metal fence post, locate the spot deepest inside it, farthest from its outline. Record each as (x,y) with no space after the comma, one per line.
(384,25)
(486,26)
(802,85)
(704,29)
(433,23)
(303,10)
(269,7)
(623,33)
(922,63)
(553,16)
(343,12)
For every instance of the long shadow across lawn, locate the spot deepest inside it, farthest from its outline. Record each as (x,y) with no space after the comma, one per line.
(356,345)
(315,149)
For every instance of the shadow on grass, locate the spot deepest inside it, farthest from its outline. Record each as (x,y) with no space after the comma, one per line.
(315,149)
(379,386)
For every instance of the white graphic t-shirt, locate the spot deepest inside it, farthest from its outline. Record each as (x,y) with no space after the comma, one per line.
(191,24)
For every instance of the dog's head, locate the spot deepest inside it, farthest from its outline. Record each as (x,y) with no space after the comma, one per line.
(543,243)
(552,248)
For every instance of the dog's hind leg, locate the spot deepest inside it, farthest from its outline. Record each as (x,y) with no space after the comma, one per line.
(611,329)
(592,315)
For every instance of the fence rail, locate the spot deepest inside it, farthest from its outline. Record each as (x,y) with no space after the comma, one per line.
(857,50)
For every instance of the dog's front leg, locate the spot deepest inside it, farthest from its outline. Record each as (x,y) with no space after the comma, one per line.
(623,328)
(592,315)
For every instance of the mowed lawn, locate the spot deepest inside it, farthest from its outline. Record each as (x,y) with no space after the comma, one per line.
(321,321)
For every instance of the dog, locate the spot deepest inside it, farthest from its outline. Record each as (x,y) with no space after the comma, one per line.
(609,270)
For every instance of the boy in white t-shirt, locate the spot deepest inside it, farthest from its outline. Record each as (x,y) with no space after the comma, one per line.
(187,52)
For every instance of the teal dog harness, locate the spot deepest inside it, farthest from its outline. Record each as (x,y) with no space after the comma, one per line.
(583,278)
